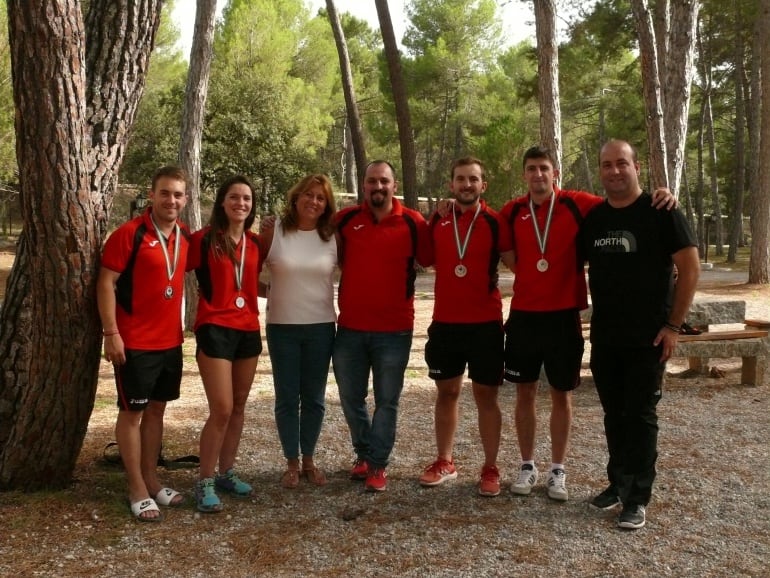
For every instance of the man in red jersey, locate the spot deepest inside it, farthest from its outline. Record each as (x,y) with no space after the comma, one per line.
(544,329)
(467,321)
(139,294)
(379,242)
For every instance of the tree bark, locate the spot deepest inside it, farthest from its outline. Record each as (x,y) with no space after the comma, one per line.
(193,119)
(401,102)
(656,135)
(679,73)
(759,260)
(71,133)
(351,104)
(736,209)
(548,77)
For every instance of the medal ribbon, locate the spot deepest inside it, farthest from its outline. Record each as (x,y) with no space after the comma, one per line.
(462,249)
(239,268)
(170,270)
(542,238)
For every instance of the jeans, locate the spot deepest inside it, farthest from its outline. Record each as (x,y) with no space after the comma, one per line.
(629,381)
(386,354)
(300,356)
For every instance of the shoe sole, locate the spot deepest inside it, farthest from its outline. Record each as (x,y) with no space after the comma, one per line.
(373,489)
(521,491)
(446,478)
(558,497)
(631,525)
(489,494)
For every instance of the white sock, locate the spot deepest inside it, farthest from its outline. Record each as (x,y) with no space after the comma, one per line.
(557,467)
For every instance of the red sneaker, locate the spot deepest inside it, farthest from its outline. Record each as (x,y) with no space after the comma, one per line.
(360,470)
(489,485)
(377,480)
(438,472)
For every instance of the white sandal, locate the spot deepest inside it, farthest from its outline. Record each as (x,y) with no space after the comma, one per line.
(147,505)
(165,497)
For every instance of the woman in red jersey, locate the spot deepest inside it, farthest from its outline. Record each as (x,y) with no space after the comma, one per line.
(226,259)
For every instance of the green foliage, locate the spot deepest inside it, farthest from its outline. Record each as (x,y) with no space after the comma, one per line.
(154,137)
(270,97)
(453,44)
(7,110)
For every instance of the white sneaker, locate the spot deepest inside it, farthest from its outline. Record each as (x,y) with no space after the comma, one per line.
(526,481)
(557,486)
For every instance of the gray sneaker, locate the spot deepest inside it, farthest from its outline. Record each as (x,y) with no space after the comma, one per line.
(632,517)
(557,485)
(526,480)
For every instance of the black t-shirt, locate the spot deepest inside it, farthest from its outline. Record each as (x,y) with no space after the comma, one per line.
(630,269)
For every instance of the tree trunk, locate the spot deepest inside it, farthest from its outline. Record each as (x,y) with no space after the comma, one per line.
(401,102)
(348,89)
(193,120)
(679,73)
(701,184)
(70,134)
(548,77)
(736,212)
(759,260)
(656,135)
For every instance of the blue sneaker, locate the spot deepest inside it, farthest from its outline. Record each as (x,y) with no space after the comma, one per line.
(232,484)
(205,496)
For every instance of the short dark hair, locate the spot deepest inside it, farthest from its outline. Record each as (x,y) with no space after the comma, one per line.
(170,171)
(381,162)
(538,152)
(465,161)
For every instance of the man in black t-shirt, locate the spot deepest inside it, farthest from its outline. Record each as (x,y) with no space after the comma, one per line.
(631,250)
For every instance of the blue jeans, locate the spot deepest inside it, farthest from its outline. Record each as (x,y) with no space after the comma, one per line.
(386,354)
(300,356)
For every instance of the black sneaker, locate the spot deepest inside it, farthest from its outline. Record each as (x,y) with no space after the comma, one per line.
(632,517)
(606,500)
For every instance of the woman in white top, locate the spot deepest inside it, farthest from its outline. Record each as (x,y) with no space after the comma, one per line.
(301,319)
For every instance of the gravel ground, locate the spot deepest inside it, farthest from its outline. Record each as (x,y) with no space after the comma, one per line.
(708,516)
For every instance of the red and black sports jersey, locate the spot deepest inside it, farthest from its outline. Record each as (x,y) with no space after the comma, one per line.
(147,317)
(475,297)
(377,259)
(563,285)
(217,288)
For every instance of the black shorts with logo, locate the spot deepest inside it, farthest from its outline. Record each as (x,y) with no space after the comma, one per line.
(451,346)
(544,339)
(226,343)
(148,375)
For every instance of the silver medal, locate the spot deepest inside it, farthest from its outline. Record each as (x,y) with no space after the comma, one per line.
(240,302)
(461,270)
(169,292)
(542,237)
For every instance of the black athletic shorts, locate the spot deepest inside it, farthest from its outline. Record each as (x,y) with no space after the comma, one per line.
(148,375)
(549,339)
(451,346)
(226,343)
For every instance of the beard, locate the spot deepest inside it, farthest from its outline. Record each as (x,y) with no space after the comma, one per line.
(377,199)
(467,200)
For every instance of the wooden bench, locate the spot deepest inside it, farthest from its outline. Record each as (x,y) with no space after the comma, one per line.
(751,343)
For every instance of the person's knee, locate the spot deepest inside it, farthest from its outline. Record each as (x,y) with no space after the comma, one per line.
(526,394)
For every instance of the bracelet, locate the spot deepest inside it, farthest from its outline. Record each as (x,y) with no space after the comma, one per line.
(109,333)
(672,327)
